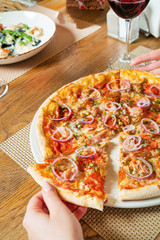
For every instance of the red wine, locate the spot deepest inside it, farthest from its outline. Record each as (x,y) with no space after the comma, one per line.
(128,9)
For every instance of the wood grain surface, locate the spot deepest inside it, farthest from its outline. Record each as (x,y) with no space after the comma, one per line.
(28,92)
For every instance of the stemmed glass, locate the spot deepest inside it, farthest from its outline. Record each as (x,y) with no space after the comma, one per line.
(3,90)
(126,9)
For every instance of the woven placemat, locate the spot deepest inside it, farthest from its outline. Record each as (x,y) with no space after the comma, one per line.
(18,147)
(68,32)
(125,224)
(112,223)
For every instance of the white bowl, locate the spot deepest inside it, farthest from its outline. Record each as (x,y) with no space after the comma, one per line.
(32,19)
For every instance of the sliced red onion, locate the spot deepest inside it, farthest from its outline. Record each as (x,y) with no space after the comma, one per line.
(61,159)
(114,106)
(125,82)
(143,102)
(149,166)
(151,89)
(81,150)
(98,93)
(62,131)
(69,113)
(132,143)
(128,128)
(153,128)
(85,121)
(107,117)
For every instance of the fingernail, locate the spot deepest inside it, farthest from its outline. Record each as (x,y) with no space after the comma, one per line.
(46,187)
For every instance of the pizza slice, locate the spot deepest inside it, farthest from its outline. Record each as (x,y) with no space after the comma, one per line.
(139,178)
(139,169)
(79,178)
(76,113)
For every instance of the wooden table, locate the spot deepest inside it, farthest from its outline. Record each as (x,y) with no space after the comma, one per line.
(25,95)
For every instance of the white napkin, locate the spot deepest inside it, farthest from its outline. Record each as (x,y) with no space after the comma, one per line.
(152,12)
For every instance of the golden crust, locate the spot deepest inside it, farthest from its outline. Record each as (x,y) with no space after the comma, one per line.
(45,151)
(140,193)
(135,76)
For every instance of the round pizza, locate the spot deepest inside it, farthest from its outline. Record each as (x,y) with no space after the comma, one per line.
(74,129)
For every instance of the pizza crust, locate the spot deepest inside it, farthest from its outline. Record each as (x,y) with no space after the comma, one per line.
(45,151)
(137,76)
(67,195)
(40,134)
(140,193)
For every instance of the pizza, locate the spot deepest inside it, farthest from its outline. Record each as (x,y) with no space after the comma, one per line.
(74,129)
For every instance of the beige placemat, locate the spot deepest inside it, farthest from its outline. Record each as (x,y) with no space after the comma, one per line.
(125,224)
(68,32)
(112,223)
(18,147)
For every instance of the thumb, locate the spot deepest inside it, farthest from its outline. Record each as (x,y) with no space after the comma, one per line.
(51,198)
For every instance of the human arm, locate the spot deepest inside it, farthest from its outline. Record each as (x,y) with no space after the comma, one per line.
(153,57)
(47,217)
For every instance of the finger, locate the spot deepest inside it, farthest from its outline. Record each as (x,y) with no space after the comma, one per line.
(51,198)
(149,67)
(36,202)
(79,212)
(34,209)
(153,55)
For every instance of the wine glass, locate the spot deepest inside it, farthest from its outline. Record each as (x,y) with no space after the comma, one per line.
(126,9)
(3,90)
